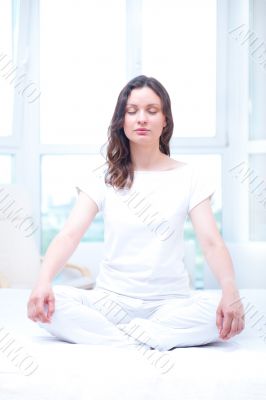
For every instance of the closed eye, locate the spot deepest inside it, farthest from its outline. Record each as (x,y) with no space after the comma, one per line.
(134,112)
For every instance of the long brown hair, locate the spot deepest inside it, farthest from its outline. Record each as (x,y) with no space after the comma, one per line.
(119,171)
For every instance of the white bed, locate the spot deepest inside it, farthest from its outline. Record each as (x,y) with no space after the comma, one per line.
(235,369)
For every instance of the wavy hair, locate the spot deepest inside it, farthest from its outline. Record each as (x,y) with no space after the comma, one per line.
(119,171)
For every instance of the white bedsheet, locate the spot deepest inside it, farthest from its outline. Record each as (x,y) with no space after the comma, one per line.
(230,370)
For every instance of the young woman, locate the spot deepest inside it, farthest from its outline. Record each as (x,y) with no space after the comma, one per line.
(142,293)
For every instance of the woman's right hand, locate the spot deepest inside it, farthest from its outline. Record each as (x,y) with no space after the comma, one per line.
(41,303)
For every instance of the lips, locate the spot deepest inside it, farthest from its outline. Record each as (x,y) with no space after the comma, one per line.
(141,131)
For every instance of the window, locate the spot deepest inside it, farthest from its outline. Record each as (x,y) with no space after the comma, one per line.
(257,67)
(179,48)
(257,198)
(82,68)
(256,166)
(6,54)
(5,169)
(76,108)
(89,50)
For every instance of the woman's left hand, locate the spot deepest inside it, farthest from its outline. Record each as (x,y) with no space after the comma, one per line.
(230,315)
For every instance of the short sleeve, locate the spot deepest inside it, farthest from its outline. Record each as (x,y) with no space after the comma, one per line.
(93,185)
(202,186)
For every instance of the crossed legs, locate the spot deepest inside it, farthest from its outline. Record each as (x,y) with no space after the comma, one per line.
(99,317)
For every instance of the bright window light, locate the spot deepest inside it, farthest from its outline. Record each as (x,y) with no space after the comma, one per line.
(5,169)
(179,49)
(82,68)
(6,87)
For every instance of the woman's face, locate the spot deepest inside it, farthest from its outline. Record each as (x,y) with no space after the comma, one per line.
(144,119)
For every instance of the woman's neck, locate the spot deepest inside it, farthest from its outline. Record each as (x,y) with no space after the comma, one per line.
(147,160)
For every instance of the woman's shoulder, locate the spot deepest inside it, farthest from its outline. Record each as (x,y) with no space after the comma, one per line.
(189,164)
(178,165)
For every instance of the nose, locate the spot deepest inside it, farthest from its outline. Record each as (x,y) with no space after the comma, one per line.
(142,117)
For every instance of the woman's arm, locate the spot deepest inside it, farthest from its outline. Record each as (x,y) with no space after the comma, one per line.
(212,244)
(41,302)
(66,241)
(230,313)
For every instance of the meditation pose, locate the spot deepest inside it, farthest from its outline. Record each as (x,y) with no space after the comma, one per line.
(142,294)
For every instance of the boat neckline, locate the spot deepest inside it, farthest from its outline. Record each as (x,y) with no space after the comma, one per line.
(162,170)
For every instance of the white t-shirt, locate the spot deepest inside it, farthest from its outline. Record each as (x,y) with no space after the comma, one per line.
(143,230)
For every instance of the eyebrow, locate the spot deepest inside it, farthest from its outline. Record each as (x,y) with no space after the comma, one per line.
(148,105)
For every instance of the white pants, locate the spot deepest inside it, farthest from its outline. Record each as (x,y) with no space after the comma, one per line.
(101,317)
